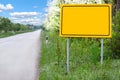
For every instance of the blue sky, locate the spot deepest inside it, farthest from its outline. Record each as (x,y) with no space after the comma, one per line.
(23,11)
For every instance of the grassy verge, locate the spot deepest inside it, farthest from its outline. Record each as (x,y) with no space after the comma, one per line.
(2,35)
(84,60)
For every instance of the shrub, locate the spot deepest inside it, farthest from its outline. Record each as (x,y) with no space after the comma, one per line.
(115,41)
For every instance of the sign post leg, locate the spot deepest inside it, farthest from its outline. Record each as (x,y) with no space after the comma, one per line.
(68,52)
(102,42)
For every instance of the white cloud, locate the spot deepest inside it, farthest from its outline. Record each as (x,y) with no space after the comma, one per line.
(24,14)
(9,6)
(6,7)
(34,18)
(28,21)
(35,6)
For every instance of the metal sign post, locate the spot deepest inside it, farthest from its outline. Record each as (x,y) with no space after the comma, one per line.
(68,52)
(101,54)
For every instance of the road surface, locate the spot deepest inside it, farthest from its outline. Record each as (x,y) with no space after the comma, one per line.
(19,56)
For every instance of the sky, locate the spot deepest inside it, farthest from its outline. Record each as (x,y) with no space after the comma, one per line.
(24,11)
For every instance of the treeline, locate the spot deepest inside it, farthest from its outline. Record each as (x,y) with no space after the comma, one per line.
(6,25)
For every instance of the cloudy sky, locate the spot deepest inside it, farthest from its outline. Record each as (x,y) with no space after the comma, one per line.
(24,11)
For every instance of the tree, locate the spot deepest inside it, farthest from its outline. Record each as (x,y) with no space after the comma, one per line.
(118,4)
(53,16)
(115,41)
(5,24)
(1,27)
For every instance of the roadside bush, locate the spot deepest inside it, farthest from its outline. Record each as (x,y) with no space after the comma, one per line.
(115,41)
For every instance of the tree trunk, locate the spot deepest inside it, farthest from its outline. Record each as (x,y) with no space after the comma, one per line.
(114,7)
(118,4)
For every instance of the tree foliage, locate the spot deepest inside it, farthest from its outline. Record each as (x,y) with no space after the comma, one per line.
(6,25)
(53,16)
(115,41)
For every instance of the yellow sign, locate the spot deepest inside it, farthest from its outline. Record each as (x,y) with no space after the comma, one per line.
(92,20)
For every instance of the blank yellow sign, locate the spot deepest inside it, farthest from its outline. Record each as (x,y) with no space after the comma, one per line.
(85,20)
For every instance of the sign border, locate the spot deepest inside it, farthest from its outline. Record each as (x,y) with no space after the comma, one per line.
(85,5)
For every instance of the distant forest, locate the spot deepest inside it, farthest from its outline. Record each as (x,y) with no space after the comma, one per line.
(6,25)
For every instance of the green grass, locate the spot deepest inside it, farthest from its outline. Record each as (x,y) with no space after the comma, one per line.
(84,60)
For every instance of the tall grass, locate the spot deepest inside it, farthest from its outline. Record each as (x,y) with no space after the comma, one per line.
(84,60)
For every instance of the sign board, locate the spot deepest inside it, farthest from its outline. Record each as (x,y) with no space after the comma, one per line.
(85,20)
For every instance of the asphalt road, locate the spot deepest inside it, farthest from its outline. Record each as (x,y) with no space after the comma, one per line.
(19,56)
